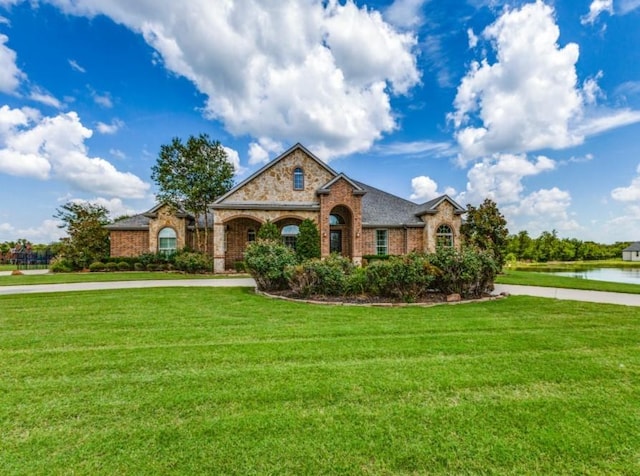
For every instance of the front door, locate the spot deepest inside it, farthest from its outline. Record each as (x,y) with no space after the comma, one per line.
(336,241)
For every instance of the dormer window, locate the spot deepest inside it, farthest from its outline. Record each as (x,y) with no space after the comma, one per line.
(298,179)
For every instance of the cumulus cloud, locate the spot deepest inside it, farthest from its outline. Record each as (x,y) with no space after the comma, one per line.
(53,147)
(319,72)
(10,74)
(405,13)
(630,193)
(109,129)
(527,98)
(261,151)
(543,210)
(234,158)
(40,95)
(425,188)
(597,8)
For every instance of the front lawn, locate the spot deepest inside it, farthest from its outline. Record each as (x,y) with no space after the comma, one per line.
(60,278)
(221,381)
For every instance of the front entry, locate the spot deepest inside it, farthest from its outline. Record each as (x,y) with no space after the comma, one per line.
(335,242)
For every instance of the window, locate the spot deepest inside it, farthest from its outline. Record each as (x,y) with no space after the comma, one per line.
(298,179)
(167,241)
(251,235)
(382,247)
(335,219)
(290,235)
(444,237)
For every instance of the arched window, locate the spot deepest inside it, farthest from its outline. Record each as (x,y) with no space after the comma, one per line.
(298,179)
(444,236)
(335,219)
(290,235)
(167,241)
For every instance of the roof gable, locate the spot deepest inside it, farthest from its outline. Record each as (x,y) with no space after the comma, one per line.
(326,188)
(273,182)
(431,206)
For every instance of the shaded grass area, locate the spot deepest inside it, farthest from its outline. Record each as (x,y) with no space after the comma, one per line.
(60,278)
(530,278)
(221,381)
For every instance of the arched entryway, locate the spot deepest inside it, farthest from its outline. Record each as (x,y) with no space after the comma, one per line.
(289,228)
(238,233)
(340,231)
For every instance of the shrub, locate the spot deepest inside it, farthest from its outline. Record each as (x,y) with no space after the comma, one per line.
(269,231)
(138,266)
(123,266)
(308,242)
(468,272)
(267,260)
(356,283)
(321,277)
(407,278)
(97,266)
(192,262)
(240,266)
(60,264)
(111,266)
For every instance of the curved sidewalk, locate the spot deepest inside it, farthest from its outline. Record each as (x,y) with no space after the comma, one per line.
(570,294)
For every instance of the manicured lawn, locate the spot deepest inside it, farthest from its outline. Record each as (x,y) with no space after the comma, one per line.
(221,381)
(59,278)
(532,278)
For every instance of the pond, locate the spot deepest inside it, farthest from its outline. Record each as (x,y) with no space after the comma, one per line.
(616,275)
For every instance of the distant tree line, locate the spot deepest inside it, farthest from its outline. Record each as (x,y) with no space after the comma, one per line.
(548,247)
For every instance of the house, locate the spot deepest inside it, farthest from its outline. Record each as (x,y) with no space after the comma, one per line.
(354,219)
(632,252)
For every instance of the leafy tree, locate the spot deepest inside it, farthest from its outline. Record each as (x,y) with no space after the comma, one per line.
(486,229)
(269,231)
(88,240)
(192,175)
(308,242)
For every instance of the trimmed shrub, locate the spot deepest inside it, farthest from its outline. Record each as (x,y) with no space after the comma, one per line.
(138,266)
(97,266)
(124,266)
(267,260)
(111,266)
(240,266)
(192,262)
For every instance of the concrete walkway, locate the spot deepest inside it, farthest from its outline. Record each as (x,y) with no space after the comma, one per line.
(553,293)
(570,294)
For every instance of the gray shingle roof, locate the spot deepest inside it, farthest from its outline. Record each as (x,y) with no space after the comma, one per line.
(384,209)
(136,222)
(633,247)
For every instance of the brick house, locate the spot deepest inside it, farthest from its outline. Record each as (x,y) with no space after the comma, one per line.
(354,219)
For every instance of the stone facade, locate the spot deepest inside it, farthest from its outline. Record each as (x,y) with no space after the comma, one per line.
(334,201)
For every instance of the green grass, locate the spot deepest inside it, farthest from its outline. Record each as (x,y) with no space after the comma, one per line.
(221,381)
(530,278)
(59,278)
(575,265)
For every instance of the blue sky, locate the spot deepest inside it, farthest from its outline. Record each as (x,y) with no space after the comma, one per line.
(533,104)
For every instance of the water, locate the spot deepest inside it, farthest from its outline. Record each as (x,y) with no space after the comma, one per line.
(615,275)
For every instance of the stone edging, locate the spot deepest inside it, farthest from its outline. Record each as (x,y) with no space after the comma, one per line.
(379,304)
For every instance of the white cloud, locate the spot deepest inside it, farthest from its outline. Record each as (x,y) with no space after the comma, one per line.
(10,74)
(114,206)
(473,39)
(118,154)
(261,151)
(630,193)
(543,210)
(591,90)
(405,13)
(416,149)
(500,177)
(103,100)
(39,95)
(425,188)
(604,120)
(47,232)
(597,8)
(627,6)
(234,158)
(53,147)
(110,129)
(318,72)
(75,66)
(527,98)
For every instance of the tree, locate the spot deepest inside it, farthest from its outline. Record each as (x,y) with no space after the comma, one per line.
(88,240)
(191,176)
(485,228)
(308,242)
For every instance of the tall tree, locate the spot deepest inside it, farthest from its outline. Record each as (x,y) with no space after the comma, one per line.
(192,175)
(485,228)
(88,240)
